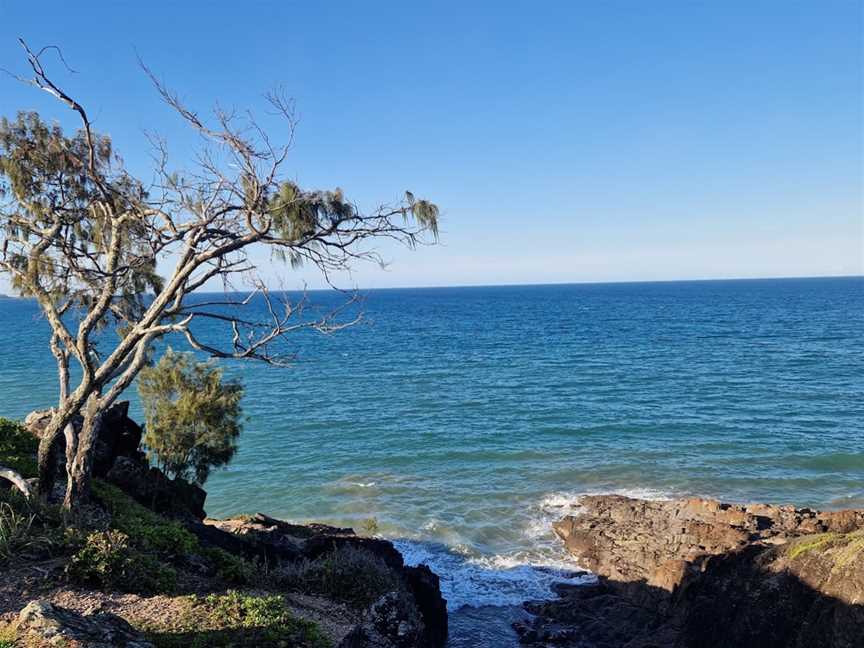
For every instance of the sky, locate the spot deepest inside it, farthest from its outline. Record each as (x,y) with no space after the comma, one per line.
(563,141)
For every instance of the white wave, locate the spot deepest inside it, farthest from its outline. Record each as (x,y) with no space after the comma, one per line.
(527,572)
(490,580)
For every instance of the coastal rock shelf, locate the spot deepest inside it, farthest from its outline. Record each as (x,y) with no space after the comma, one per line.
(701,573)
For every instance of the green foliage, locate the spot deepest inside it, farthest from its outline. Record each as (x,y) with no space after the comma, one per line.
(348,574)
(153,534)
(27,526)
(239,620)
(18,448)
(230,568)
(149,531)
(49,176)
(107,561)
(15,530)
(192,415)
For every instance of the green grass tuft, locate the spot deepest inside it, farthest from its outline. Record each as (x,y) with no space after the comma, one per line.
(241,620)
(811,543)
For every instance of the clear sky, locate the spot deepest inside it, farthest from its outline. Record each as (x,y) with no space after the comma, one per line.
(564,141)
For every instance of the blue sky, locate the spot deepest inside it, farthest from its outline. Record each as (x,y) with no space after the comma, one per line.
(564,141)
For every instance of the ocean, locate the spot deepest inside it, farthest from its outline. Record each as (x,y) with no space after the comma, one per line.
(463,421)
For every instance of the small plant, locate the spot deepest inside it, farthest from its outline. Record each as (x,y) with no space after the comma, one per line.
(192,415)
(108,562)
(370,526)
(230,568)
(349,574)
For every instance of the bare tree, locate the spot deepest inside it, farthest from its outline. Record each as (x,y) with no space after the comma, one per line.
(84,237)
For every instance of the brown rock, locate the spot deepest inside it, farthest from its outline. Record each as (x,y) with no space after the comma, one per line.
(699,573)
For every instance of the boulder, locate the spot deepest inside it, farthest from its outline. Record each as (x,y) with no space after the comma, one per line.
(701,573)
(425,587)
(49,624)
(152,488)
(119,436)
(393,621)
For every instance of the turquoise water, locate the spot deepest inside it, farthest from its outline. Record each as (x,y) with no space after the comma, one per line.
(465,420)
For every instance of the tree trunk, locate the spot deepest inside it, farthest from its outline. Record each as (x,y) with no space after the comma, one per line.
(80,469)
(17,480)
(46,458)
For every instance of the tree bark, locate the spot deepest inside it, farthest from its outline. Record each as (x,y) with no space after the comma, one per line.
(17,480)
(81,468)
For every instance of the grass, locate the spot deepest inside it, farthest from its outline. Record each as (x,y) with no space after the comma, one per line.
(149,531)
(811,543)
(237,620)
(29,528)
(18,448)
(844,548)
(348,574)
(7,635)
(153,533)
(854,546)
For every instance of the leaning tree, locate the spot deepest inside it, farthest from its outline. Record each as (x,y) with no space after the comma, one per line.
(99,249)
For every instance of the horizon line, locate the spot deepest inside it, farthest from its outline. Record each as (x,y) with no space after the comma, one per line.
(539,284)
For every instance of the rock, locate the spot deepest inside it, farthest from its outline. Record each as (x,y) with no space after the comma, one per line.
(119,436)
(393,621)
(152,488)
(701,573)
(275,541)
(425,586)
(43,622)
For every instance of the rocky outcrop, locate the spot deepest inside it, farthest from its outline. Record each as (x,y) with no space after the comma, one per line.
(152,488)
(698,572)
(41,623)
(119,436)
(118,459)
(390,621)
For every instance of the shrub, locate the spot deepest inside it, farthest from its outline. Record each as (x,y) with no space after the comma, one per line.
(18,448)
(149,531)
(27,525)
(192,415)
(348,574)
(230,568)
(15,530)
(238,620)
(108,562)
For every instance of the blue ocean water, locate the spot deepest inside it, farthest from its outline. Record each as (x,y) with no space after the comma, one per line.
(465,420)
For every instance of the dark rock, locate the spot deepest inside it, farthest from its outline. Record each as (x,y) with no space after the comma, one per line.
(152,488)
(119,436)
(43,622)
(425,587)
(393,621)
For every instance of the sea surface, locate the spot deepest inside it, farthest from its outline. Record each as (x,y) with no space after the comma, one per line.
(463,421)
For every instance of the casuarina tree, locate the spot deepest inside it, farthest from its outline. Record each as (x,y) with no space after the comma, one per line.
(102,250)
